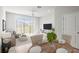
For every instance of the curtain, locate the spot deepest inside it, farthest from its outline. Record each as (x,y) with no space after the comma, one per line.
(23,24)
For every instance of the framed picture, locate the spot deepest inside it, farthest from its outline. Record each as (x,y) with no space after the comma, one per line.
(3,25)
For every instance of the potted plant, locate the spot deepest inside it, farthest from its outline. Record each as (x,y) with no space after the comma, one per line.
(51,36)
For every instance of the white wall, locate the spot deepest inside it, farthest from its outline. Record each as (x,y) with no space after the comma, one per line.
(36,25)
(1,17)
(10,22)
(47,19)
(59,13)
(16,10)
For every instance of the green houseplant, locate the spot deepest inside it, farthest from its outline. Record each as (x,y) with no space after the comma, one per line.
(51,36)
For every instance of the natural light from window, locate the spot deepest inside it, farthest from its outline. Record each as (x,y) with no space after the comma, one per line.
(24,24)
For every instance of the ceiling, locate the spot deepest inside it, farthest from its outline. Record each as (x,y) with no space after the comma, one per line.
(30,8)
(39,12)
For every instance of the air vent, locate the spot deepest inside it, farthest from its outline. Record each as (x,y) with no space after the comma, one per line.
(39,7)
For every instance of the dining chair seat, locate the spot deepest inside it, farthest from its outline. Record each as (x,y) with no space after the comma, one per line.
(61,50)
(35,49)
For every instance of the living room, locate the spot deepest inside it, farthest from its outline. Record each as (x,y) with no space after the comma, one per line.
(13,19)
(20,23)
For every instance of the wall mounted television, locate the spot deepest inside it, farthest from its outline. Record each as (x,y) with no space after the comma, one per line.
(47,26)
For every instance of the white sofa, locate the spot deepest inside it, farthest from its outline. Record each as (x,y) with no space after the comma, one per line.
(20,49)
(23,48)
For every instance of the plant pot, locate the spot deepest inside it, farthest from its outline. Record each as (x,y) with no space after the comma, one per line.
(51,45)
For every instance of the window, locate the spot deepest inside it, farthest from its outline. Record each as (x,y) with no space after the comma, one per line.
(23,24)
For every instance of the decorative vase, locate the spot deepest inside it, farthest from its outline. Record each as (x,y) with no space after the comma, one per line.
(51,45)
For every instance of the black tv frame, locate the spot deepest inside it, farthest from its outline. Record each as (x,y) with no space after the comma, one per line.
(47,26)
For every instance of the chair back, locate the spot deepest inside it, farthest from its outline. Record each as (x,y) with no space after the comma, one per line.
(67,38)
(37,39)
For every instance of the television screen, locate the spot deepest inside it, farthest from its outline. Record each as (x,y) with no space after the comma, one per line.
(47,26)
